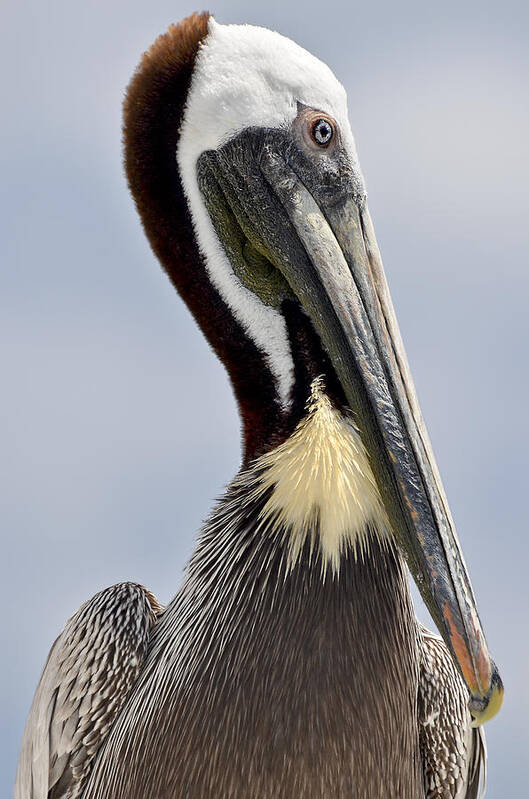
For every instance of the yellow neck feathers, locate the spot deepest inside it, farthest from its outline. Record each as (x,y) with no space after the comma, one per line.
(321,485)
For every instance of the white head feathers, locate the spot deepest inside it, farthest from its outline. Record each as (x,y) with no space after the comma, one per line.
(247,76)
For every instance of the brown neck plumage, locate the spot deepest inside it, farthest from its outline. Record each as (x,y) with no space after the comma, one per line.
(153,113)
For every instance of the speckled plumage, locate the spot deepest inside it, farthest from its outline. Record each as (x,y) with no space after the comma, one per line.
(89,672)
(454,753)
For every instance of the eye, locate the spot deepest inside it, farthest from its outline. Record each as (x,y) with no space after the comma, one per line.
(322,131)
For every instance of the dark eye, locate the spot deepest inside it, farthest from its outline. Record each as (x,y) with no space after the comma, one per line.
(322,131)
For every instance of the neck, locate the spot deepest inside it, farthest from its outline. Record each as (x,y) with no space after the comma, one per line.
(153,114)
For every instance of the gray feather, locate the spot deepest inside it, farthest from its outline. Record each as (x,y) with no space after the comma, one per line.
(454,753)
(89,672)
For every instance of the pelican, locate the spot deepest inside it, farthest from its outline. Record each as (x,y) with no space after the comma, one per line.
(290,663)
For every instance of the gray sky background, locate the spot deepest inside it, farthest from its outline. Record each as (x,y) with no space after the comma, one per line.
(117,424)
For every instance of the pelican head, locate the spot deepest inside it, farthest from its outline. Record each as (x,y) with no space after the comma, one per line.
(243,166)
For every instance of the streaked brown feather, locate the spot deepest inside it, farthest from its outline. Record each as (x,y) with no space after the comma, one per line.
(89,672)
(454,754)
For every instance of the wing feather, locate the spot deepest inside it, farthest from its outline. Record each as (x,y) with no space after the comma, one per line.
(454,753)
(89,672)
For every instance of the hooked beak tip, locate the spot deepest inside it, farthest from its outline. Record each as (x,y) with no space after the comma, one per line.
(484,708)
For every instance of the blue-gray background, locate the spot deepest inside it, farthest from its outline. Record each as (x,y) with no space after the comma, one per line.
(118,427)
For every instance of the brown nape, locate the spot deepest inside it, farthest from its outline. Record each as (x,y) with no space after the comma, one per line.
(152,114)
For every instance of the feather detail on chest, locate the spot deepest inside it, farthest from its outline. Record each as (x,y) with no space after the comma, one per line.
(320,485)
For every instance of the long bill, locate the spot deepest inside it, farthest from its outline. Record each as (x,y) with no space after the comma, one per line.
(325,247)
